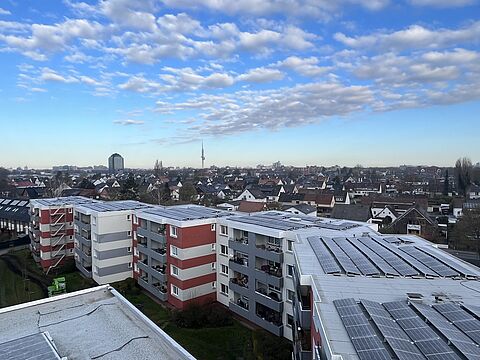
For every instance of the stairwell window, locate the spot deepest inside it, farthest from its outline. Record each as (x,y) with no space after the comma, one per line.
(173,231)
(173,251)
(223,249)
(212,227)
(223,230)
(175,290)
(224,289)
(174,270)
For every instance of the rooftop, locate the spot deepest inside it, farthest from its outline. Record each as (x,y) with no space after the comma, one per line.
(121,205)
(96,323)
(61,201)
(185,212)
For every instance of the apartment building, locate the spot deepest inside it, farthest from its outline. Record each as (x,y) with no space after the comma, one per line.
(103,239)
(51,230)
(175,253)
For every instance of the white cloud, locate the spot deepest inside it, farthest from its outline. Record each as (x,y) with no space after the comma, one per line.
(304,66)
(442,3)
(4,12)
(414,37)
(261,75)
(129,122)
(53,76)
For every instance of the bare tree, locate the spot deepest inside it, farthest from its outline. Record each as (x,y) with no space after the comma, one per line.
(463,175)
(157,169)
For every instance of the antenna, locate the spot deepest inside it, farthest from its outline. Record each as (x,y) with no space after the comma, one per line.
(203,156)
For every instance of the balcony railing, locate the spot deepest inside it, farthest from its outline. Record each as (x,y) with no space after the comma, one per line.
(240,260)
(271,270)
(161,251)
(269,247)
(241,281)
(241,303)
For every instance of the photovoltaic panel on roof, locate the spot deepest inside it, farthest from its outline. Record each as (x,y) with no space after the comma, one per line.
(461,319)
(392,332)
(345,262)
(325,258)
(386,268)
(362,335)
(35,346)
(424,337)
(391,258)
(359,259)
(464,270)
(429,261)
(457,338)
(409,259)
(475,310)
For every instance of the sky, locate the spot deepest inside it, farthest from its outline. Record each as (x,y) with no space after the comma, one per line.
(304,82)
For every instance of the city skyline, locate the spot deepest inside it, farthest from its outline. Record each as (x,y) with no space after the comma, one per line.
(377,83)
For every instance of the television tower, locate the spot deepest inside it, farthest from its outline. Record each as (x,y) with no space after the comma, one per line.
(203,156)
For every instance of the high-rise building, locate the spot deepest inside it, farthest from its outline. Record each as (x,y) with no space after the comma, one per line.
(115,163)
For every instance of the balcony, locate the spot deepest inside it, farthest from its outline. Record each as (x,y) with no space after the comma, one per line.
(159,254)
(239,286)
(143,265)
(160,290)
(85,270)
(83,240)
(239,264)
(239,307)
(302,311)
(269,252)
(240,244)
(270,321)
(270,275)
(270,299)
(159,271)
(302,346)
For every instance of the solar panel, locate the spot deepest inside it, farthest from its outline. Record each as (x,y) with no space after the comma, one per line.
(421,334)
(457,338)
(377,260)
(364,339)
(475,310)
(359,259)
(461,319)
(429,261)
(326,260)
(36,346)
(392,332)
(392,259)
(409,259)
(465,271)
(346,263)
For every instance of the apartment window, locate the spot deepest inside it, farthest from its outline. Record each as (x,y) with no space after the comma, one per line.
(214,266)
(129,233)
(212,227)
(174,270)
(128,217)
(289,320)
(70,210)
(173,250)
(273,288)
(135,252)
(214,285)
(223,249)
(173,231)
(224,289)
(135,220)
(175,290)
(129,265)
(290,245)
(290,295)
(290,270)
(129,249)
(223,230)
(213,247)
(224,269)
(135,267)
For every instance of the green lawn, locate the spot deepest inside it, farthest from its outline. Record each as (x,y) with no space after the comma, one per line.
(14,290)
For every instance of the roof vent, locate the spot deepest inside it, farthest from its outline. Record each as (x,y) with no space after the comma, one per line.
(415,297)
(295,219)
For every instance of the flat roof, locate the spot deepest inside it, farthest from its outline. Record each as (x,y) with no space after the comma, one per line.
(185,212)
(61,201)
(382,269)
(96,323)
(120,205)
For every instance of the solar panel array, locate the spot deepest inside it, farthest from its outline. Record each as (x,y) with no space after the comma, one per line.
(393,334)
(457,338)
(360,260)
(385,267)
(184,213)
(35,346)
(364,339)
(412,331)
(429,261)
(345,262)
(424,337)
(326,260)
(450,262)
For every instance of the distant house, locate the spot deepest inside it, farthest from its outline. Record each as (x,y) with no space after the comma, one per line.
(229,206)
(474,192)
(225,194)
(301,209)
(457,206)
(252,196)
(416,221)
(252,206)
(351,212)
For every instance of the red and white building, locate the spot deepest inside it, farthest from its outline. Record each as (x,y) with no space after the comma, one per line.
(175,253)
(52,230)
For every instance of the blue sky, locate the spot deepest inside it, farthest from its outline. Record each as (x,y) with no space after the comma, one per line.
(371,82)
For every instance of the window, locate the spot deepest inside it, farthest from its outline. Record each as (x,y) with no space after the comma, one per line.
(173,231)
(224,269)
(289,320)
(173,250)
(214,266)
(135,220)
(212,227)
(290,270)
(129,233)
(223,249)
(290,295)
(223,230)
(135,252)
(289,245)
(175,290)
(213,247)
(224,289)
(214,285)
(128,217)
(70,210)
(135,267)
(129,249)
(174,270)
(129,265)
